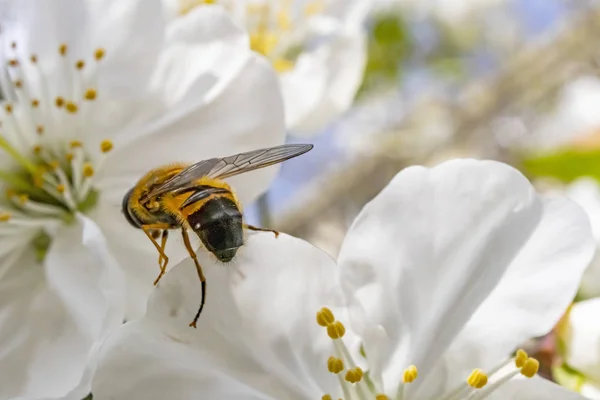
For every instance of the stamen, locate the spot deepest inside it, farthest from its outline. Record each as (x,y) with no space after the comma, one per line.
(354,375)
(530,367)
(62,49)
(335,365)
(59,102)
(88,170)
(35,103)
(33,58)
(326,397)
(75,144)
(80,64)
(60,188)
(336,330)
(382,397)
(106,146)
(40,129)
(99,54)
(4,216)
(71,107)
(325,317)
(37,149)
(18,84)
(477,379)
(90,94)
(410,374)
(8,108)
(520,358)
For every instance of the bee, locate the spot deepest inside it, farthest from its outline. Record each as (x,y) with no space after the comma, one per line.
(196,197)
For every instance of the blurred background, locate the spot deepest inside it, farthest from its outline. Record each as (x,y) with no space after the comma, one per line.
(512,80)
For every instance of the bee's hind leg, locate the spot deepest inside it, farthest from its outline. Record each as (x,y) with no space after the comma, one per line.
(255,228)
(188,246)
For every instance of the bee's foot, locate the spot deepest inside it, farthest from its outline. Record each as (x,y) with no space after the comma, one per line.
(193,324)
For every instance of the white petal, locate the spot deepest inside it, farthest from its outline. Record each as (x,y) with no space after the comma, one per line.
(343,61)
(533,294)
(303,86)
(132,34)
(247,115)
(43,354)
(582,338)
(259,320)
(140,362)
(534,389)
(590,390)
(424,254)
(586,193)
(81,270)
(204,51)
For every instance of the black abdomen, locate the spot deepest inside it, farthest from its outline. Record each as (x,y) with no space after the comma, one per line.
(218,223)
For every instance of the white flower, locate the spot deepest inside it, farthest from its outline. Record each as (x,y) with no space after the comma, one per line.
(318,47)
(580,336)
(98,93)
(586,193)
(447,269)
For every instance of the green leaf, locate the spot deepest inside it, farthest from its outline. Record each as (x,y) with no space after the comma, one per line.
(565,165)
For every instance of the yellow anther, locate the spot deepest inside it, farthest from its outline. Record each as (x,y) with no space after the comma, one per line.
(71,107)
(18,84)
(282,65)
(477,379)
(90,94)
(8,108)
(263,42)
(4,216)
(40,129)
(88,170)
(38,179)
(314,7)
(62,49)
(410,374)
(382,397)
(13,63)
(59,101)
(335,365)
(37,149)
(354,375)
(106,146)
(520,358)
(60,188)
(530,367)
(35,103)
(325,316)
(75,144)
(69,157)
(23,198)
(326,397)
(99,54)
(10,193)
(33,58)
(53,165)
(80,64)
(283,20)
(336,330)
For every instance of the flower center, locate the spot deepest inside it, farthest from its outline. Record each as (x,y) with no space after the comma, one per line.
(356,385)
(271,25)
(48,178)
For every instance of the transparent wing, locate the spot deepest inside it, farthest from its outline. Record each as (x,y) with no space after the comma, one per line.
(221,168)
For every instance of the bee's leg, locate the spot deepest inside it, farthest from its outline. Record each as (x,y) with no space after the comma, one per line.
(163,267)
(148,229)
(254,228)
(188,246)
